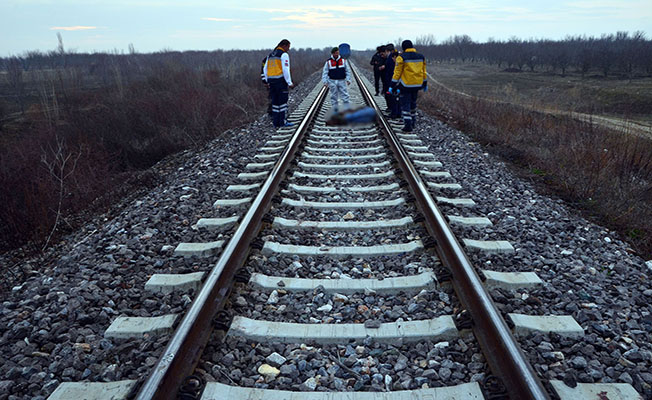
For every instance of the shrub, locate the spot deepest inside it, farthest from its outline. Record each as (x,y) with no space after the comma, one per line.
(112,114)
(608,173)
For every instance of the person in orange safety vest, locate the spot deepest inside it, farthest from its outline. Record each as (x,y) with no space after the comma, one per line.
(277,74)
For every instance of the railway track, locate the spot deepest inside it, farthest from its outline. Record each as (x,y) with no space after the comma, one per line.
(344,279)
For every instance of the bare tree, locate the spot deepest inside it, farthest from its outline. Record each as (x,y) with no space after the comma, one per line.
(425,41)
(61,51)
(622,53)
(49,102)
(60,164)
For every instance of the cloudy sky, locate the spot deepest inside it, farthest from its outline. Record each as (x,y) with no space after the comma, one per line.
(152,25)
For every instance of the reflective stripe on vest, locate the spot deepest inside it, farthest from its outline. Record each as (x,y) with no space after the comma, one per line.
(412,75)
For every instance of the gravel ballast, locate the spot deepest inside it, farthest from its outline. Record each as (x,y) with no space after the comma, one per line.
(52,325)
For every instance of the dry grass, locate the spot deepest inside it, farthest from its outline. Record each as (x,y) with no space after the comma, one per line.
(604,172)
(84,132)
(613,97)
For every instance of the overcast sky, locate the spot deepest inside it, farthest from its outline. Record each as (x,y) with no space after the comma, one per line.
(153,25)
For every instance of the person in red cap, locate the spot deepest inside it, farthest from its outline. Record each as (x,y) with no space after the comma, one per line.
(336,74)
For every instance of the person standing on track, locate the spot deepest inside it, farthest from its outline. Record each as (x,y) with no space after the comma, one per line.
(409,77)
(277,73)
(393,106)
(336,74)
(377,60)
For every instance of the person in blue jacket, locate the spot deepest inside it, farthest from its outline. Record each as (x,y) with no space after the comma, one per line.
(352,116)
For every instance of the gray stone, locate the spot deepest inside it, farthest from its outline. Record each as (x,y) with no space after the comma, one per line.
(290,370)
(5,387)
(578,362)
(275,359)
(445,373)
(309,384)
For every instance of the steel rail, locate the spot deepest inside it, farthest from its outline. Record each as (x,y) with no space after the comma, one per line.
(186,345)
(503,354)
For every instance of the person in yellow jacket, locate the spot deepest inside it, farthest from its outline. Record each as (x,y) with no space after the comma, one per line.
(409,76)
(276,72)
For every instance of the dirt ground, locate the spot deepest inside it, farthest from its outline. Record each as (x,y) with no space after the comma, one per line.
(617,103)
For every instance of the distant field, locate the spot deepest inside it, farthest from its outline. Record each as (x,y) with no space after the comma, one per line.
(620,99)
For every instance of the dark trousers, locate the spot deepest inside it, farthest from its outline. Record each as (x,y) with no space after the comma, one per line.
(386,84)
(390,99)
(394,106)
(278,90)
(408,100)
(377,74)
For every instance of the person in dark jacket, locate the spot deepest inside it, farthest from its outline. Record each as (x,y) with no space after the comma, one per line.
(377,60)
(393,106)
(389,50)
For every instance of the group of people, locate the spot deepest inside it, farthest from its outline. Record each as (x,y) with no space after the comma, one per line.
(402,76)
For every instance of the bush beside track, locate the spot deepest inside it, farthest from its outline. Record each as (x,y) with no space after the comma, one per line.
(77,128)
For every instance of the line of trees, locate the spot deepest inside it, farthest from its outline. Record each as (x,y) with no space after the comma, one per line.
(621,54)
